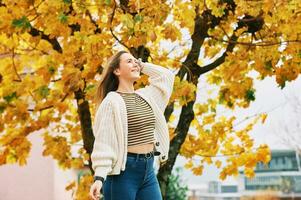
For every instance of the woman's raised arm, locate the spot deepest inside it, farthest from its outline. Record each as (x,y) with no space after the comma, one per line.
(161,82)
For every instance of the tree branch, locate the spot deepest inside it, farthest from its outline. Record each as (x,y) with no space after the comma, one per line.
(50,106)
(202,70)
(230,41)
(53,41)
(97,30)
(111,30)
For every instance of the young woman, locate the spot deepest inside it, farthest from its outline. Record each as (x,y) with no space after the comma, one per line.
(130,129)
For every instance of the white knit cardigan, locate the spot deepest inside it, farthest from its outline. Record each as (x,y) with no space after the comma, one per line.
(110,123)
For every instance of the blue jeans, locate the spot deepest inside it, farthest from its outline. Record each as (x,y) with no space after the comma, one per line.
(137,182)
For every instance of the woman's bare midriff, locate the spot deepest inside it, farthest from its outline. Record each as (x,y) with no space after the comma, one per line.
(144,148)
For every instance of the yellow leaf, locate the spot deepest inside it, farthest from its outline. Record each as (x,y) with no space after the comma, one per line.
(189,164)
(70,186)
(223,175)
(263,117)
(172,118)
(209,119)
(11,157)
(198,170)
(171,133)
(249,172)
(62,107)
(127,19)
(207,160)
(82,192)
(77,163)
(218,163)
(153,36)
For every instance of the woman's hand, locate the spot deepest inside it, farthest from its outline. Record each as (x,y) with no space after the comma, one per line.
(95,190)
(140,63)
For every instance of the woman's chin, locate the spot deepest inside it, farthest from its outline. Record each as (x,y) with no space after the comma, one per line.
(136,77)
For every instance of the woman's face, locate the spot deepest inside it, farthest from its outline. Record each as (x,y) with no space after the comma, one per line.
(129,68)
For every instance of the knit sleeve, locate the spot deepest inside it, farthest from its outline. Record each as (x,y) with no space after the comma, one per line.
(104,153)
(161,82)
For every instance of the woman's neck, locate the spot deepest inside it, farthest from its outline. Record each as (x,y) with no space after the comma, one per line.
(126,90)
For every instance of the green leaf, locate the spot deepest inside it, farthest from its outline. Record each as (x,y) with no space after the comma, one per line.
(268,65)
(283,58)
(43,91)
(89,87)
(63,18)
(107,2)
(299,54)
(2,108)
(282,85)
(51,69)
(230,104)
(9,98)
(131,31)
(221,11)
(284,79)
(138,18)
(221,98)
(250,95)
(67,1)
(21,23)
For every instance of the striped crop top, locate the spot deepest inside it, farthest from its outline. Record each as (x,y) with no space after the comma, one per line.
(141,119)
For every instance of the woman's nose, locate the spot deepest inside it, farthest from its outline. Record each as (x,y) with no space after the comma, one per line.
(136,65)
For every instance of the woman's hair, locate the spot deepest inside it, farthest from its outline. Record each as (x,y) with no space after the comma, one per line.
(109,81)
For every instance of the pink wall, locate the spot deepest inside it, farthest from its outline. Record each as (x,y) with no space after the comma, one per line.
(39,179)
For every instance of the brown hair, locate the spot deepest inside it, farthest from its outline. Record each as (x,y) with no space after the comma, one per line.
(109,81)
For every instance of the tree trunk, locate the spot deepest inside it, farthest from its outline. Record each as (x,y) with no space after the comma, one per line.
(86,124)
(181,131)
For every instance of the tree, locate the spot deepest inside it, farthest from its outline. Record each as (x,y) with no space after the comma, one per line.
(52,53)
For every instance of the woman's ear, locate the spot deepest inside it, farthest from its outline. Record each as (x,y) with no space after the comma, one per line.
(116,72)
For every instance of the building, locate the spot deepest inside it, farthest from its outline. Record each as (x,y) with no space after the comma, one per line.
(281,174)
(41,178)
(213,190)
(280,178)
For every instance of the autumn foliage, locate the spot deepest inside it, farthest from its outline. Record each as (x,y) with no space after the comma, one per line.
(52,54)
